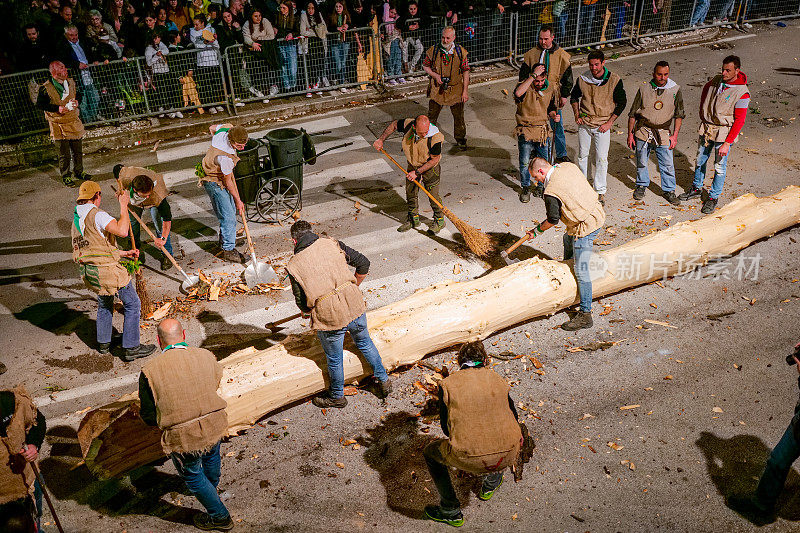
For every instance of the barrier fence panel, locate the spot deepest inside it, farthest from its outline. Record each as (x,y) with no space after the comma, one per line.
(757,10)
(486,36)
(671,16)
(184,80)
(353,59)
(603,24)
(19,115)
(411,40)
(560,15)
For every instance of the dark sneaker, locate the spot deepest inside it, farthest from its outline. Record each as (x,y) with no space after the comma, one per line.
(749,508)
(325,401)
(538,191)
(166,264)
(69,180)
(581,320)
(689,194)
(462,144)
(602,198)
(384,389)
(434,512)
(709,206)
(103,347)
(206,523)
(438,224)
(563,159)
(84,176)
(671,198)
(234,256)
(411,223)
(638,193)
(143,350)
(525,195)
(486,495)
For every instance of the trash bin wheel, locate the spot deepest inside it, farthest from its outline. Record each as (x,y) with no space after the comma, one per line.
(278,199)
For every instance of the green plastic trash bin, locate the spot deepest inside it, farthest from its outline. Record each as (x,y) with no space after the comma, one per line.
(246,172)
(286,150)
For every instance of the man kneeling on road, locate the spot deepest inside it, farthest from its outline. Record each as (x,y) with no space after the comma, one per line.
(484,436)
(325,288)
(569,198)
(422,144)
(146,188)
(215,174)
(178,393)
(94,248)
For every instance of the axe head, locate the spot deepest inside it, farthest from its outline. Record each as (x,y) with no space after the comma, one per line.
(508,260)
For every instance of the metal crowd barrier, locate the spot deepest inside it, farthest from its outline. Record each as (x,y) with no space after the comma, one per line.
(402,55)
(763,10)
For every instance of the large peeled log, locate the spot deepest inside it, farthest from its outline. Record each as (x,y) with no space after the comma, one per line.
(115,441)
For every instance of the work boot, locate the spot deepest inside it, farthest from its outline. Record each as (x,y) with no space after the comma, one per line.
(694,192)
(435,513)
(581,320)
(234,256)
(538,191)
(462,144)
(750,508)
(438,224)
(84,176)
(602,198)
(325,401)
(525,195)
(671,198)
(384,389)
(166,264)
(103,347)
(709,206)
(206,523)
(638,193)
(411,223)
(486,495)
(69,180)
(564,159)
(143,350)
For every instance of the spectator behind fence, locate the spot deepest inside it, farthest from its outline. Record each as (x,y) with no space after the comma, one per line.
(163,23)
(236,8)
(315,44)
(177,13)
(338,41)
(260,65)
(198,7)
(59,98)
(32,54)
(146,26)
(65,19)
(103,38)
(229,32)
(391,45)
(208,75)
(78,58)
(166,93)
(411,28)
(287,29)
(120,19)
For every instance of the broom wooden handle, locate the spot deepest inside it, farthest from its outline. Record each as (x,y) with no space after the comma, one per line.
(46,495)
(434,200)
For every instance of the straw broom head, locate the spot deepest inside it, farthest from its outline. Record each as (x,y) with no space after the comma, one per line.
(477,241)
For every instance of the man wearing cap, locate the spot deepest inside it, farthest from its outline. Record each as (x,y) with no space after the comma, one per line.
(94,248)
(59,99)
(422,144)
(146,189)
(215,174)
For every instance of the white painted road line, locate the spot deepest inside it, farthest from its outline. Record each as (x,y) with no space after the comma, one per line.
(87,390)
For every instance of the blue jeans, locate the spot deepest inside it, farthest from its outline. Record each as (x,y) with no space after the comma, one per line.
(132,308)
(581,249)
(558,135)
(157,222)
(225,210)
(665,165)
(394,68)
(704,150)
(700,12)
(333,343)
(339,52)
(561,24)
(288,52)
(89,103)
(778,465)
(201,472)
(528,149)
(587,14)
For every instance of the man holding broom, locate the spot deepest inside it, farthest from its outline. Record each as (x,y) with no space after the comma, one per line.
(422,144)
(94,248)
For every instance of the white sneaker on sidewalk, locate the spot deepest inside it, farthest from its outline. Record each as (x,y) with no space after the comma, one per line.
(178,114)
(325,82)
(212,110)
(273,90)
(255,92)
(401,80)
(220,109)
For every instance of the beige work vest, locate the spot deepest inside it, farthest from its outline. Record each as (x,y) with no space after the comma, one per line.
(716,110)
(654,119)
(16,474)
(581,210)
(67,126)
(98,258)
(126,175)
(532,119)
(417,152)
(559,63)
(211,168)
(451,69)
(597,101)
(331,291)
(190,413)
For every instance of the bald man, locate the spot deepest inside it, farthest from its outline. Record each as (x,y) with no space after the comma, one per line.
(178,393)
(447,66)
(422,144)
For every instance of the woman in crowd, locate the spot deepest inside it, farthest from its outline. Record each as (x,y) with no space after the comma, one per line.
(339,40)
(163,23)
(103,37)
(287,30)
(392,44)
(315,45)
(198,7)
(177,13)
(229,32)
(166,91)
(260,59)
(123,24)
(208,76)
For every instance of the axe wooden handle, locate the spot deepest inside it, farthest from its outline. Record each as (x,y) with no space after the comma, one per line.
(517,244)
(282,320)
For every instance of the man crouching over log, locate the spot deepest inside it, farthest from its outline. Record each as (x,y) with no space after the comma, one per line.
(569,198)
(325,288)
(178,393)
(478,416)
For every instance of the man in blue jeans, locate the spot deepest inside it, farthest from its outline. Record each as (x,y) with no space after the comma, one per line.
(325,288)
(569,198)
(178,393)
(760,507)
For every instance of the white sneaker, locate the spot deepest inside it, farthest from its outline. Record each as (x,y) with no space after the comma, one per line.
(273,90)
(212,110)
(325,82)
(747,25)
(309,95)
(178,114)
(220,109)
(170,115)
(344,90)
(238,103)
(255,92)
(391,82)
(265,101)
(401,80)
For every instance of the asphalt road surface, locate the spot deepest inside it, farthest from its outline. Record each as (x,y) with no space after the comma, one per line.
(714,395)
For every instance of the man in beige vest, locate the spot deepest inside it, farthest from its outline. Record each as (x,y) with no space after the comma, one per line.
(325,289)
(178,393)
(654,122)
(569,198)
(422,145)
(94,248)
(448,68)
(484,437)
(723,109)
(215,174)
(536,105)
(598,98)
(147,189)
(59,99)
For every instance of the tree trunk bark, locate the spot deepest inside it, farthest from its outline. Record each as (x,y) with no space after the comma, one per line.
(114,440)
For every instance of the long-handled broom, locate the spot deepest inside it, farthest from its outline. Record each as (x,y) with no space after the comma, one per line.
(477,241)
(141,286)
